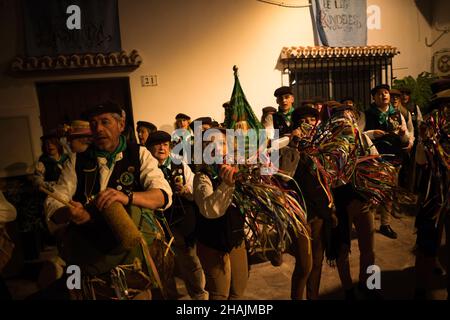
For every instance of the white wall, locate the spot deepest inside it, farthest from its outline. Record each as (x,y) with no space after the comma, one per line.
(404,27)
(441,21)
(192,45)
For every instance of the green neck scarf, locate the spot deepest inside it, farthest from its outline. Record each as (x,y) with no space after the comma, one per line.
(286,116)
(111,156)
(384,116)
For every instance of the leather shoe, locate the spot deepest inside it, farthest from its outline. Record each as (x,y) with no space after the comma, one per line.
(275,258)
(387,231)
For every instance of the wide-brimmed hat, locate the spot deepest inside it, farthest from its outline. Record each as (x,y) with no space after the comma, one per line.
(441,92)
(79,129)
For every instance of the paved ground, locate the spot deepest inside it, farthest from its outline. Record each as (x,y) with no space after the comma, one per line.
(394,257)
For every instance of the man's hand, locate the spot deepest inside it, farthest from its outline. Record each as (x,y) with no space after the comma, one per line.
(296,133)
(227,174)
(78,214)
(401,132)
(181,189)
(378,133)
(106,197)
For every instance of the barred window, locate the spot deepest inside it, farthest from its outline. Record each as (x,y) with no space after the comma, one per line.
(336,73)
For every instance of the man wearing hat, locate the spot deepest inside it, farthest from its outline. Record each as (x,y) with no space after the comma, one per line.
(305,114)
(397,104)
(281,120)
(144,130)
(182,133)
(182,121)
(434,214)
(266,111)
(49,165)
(416,114)
(79,136)
(304,121)
(181,215)
(110,171)
(413,169)
(386,127)
(204,122)
(319,103)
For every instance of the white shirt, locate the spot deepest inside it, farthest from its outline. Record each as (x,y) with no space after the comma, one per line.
(212,203)
(150,175)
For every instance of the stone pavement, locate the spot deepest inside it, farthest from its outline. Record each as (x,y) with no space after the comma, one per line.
(394,257)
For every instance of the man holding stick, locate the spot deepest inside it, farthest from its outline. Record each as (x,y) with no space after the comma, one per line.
(109,192)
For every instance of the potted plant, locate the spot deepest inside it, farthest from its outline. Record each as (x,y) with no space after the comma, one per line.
(420,88)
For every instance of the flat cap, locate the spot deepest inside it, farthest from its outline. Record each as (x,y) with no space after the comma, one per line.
(105,107)
(379,87)
(182,116)
(157,138)
(150,126)
(282,91)
(302,112)
(269,110)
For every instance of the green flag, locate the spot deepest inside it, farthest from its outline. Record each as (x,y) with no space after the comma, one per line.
(240,113)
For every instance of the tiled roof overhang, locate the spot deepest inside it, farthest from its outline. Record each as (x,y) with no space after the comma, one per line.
(320,52)
(99,62)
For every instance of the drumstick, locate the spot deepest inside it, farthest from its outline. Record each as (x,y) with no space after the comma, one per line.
(52,195)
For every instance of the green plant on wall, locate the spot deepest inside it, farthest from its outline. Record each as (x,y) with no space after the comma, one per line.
(420,88)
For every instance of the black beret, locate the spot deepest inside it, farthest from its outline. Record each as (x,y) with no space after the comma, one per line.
(150,126)
(379,87)
(106,107)
(302,112)
(182,116)
(269,109)
(282,91)
(204,120)
(157,138)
